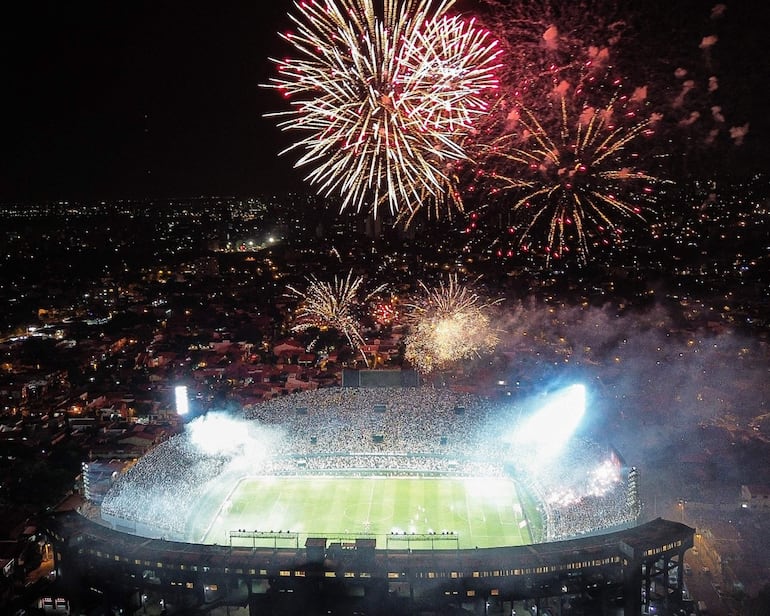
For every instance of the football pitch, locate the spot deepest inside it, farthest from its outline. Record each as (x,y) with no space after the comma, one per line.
(480,512)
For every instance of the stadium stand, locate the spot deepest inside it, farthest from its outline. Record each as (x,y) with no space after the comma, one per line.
(385,430)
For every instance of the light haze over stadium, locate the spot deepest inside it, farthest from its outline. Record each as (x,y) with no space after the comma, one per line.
(395,464)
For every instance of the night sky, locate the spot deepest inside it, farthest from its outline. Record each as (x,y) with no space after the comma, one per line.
(127,99)
(161,98)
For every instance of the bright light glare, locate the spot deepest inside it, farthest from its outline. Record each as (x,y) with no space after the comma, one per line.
(553,424)
(217,433)
(180,395)
(221,434)
(245,442)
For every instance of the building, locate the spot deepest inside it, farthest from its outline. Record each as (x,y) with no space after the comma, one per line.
(633,572)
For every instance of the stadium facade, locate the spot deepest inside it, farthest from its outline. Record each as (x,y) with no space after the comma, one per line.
(151,537)
(625,572)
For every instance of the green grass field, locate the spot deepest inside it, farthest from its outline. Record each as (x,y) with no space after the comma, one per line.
(483,512)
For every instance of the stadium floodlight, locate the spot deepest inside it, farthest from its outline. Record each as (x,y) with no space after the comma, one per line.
(553,424)
(182,403)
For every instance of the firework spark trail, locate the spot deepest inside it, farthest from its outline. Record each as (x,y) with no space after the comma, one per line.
(384,99)
(556,148)
(546,40)
(332,305)
(385,312)
(578,174)
(449,323)
(575,52)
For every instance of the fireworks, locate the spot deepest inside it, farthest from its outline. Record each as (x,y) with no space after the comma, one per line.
(548,41)
(326,305)
(384,99)
(450,323)
(567,151)
(576,175)
(544,40)
(559,153)
(385,313)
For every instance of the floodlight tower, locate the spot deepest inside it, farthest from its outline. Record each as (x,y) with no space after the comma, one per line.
(182,401)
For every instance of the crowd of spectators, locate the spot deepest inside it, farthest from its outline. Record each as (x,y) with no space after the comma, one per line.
(364,464)
(355,420)
(582,490)
(392,431)
(589,514)
(162,485)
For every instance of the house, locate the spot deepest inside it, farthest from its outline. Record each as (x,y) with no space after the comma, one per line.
(288,347)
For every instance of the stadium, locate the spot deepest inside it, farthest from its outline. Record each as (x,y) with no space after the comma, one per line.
(378,462)
(382,496)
